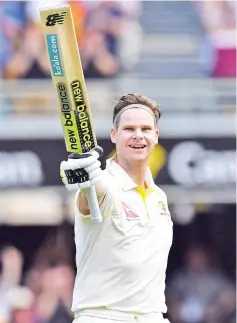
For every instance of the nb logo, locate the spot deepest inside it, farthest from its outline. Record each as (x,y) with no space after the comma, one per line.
(55,18)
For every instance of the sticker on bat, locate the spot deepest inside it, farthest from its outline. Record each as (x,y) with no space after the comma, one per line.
(54,54)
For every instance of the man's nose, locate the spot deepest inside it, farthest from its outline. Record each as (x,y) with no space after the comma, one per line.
(138,134)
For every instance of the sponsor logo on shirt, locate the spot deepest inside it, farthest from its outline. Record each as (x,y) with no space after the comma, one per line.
(130,215)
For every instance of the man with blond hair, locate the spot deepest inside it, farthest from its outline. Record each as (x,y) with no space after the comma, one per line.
(121,262)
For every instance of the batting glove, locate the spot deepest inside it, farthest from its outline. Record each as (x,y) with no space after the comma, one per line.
(82,172)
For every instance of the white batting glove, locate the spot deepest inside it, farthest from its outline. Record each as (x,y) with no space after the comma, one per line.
(81,173)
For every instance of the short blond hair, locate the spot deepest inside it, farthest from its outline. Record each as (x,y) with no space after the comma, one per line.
(128,99)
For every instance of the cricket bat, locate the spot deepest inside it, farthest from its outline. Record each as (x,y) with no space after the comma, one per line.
(68,79)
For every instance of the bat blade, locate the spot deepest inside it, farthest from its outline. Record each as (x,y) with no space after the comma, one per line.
(68,78)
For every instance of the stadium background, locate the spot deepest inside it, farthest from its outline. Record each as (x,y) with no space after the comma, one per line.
(182,54)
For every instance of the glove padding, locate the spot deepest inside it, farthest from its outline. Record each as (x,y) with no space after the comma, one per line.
(81,173)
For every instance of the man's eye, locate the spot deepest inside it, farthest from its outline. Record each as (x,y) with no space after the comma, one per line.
(128,128)
(146,129)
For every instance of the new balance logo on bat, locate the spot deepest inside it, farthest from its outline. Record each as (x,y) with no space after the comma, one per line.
(55,18)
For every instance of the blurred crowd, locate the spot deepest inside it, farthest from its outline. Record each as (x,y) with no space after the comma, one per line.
(42,291)
(197,293)
(200,292)
(102,28)
(109,36)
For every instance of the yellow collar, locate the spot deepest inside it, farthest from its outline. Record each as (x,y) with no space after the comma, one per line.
(126,181)
(142,192)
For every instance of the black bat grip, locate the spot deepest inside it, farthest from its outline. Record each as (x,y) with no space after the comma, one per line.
(98,149)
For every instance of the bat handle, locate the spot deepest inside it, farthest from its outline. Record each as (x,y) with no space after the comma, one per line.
(96,216)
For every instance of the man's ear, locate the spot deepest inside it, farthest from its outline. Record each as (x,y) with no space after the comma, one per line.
(157,136)
(112,135)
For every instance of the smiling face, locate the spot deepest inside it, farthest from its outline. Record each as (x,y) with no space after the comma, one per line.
(135,136)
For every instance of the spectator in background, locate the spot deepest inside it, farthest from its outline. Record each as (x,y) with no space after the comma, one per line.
(53,299)
(218,53)
(12,20)
(44,295)
(15,300)
(100,48)
(107,17)
(130,42)
(51,278)
(29,60)
(79,13)
(200,293)
(97,61)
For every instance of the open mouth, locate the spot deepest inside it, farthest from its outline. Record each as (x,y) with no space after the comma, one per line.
(137,146)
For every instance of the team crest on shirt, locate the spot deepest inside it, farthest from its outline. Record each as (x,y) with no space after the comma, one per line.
(162,208)
(130,215)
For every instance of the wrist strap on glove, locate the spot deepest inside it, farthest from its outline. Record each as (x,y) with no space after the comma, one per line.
(76,176)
